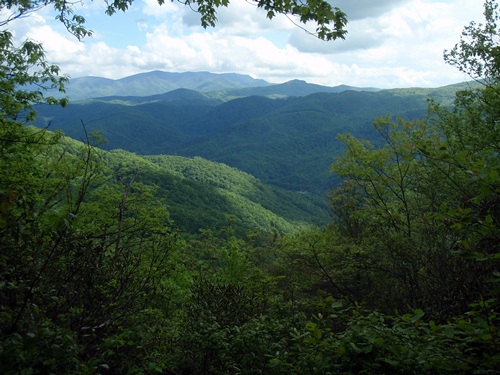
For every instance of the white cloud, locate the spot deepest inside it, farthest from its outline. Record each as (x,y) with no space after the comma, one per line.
(391,43)
(169,8)
(142,24)
(60,47)
(243,18)
(362,35)
(362,9)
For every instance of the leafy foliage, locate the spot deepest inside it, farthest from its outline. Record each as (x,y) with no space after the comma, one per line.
(477,53)
(353,340)
(70,278)
(16,72)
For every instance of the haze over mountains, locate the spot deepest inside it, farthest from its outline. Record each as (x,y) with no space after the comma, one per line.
(283,134)
(211,84)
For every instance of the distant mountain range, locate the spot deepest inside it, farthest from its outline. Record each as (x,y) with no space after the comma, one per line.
(215,86)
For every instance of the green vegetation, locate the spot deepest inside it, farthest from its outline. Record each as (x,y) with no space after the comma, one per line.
(287,142)
(95,276)
(200,194)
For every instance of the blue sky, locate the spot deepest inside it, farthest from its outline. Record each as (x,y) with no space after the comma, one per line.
(391,43)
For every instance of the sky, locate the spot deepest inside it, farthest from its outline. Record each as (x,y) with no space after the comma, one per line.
(390,43)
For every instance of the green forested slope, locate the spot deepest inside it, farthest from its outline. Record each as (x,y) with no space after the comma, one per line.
(292,143)
(287,89)
(256,205)
(201,194)
(183,96)
(287,142)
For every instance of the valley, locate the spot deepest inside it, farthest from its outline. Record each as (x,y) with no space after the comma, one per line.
(285,135)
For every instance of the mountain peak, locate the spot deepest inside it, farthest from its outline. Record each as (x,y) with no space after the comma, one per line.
(295,82)
(158,82)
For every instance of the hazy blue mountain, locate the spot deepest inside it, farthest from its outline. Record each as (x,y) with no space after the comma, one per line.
(291,88)
(157,82)
(211,87)
(444,95)
(177,95)
(224,87)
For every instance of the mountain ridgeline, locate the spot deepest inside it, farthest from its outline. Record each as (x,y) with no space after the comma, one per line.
(227,85)
(285,134)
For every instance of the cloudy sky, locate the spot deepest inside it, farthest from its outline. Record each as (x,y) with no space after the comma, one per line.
(390,43)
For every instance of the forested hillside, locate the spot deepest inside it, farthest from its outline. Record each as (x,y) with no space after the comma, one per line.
(117,263)
(288,142)
(200,194)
